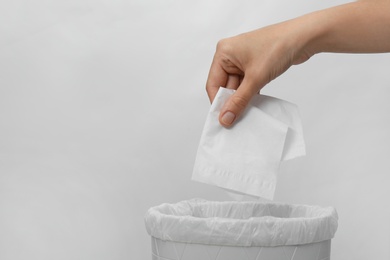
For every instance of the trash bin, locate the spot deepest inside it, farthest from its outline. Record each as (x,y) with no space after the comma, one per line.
(250,230)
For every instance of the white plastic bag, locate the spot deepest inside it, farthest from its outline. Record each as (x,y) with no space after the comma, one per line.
(247,223)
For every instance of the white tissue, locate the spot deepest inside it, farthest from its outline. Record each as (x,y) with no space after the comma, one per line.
(245,158)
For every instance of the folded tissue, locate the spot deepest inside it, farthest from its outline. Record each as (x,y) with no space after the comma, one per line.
(245,158)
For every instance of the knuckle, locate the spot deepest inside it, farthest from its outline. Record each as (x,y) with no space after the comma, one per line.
(226,55)
(224,46)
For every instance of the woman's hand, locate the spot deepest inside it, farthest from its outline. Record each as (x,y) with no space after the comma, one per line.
(249,61)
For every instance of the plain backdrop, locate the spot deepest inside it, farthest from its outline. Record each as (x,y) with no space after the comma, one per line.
(102,104)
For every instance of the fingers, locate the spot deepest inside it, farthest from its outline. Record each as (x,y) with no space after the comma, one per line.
(233,82)
(237,103)
(217,78)
(224,71)
(227,71)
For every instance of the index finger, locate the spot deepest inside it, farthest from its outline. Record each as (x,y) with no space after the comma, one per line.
(217,78)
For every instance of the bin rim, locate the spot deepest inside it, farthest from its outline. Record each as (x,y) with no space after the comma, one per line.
(183,222)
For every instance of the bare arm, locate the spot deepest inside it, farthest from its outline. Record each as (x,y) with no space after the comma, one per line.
(249,61)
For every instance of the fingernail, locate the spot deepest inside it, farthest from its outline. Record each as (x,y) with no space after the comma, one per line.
(228,118)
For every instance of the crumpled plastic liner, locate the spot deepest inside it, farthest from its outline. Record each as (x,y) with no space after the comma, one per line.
(248,223)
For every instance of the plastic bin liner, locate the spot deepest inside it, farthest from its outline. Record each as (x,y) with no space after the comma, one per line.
(248,223)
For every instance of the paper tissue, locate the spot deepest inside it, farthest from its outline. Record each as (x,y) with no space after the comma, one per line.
(245,158)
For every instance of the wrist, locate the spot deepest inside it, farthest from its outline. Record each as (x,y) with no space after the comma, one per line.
(311,32)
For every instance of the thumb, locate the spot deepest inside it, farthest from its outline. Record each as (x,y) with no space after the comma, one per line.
(237,103)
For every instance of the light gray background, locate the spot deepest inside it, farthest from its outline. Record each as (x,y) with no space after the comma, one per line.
(102,104)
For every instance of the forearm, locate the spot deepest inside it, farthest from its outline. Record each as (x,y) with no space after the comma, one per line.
(249,61)
(358,27)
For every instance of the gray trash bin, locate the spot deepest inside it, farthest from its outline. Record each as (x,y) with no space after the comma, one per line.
(250,230)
